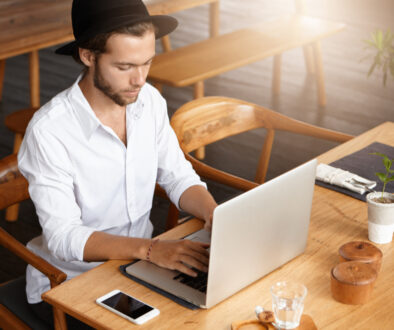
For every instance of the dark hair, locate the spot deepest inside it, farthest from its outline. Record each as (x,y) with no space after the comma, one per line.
(98,43)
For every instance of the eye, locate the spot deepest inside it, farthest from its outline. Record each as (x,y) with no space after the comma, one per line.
(123,67)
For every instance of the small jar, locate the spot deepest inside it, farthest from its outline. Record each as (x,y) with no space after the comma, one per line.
(352,282)
(363,252)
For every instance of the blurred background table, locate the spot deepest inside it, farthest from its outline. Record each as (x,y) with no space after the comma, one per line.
(30,25)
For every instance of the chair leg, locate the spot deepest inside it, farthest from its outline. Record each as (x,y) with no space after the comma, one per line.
(276,74)
(309,60)
(319,74)
(214,11)
(199,92)
(34,75)
(12,212)
(166,43)
(2,69)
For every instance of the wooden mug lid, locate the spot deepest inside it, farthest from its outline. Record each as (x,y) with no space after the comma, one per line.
(361,251)
(354,273)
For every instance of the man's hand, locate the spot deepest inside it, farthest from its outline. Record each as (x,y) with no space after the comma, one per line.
(175,254)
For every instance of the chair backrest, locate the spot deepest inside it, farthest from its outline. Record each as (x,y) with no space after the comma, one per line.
(206,120)
(13,186)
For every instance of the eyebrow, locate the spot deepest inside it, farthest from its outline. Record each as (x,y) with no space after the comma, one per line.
(134,64)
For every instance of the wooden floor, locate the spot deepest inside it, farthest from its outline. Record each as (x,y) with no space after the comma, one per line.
(355,103)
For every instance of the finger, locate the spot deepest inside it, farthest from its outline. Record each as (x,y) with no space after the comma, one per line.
(194,263)
(198,246)
(201,258)
(197,253)
(184,269)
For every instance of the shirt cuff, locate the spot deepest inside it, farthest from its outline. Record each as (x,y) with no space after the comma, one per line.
(78,239)
(177,192)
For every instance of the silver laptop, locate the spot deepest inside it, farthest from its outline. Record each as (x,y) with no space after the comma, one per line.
(252,235)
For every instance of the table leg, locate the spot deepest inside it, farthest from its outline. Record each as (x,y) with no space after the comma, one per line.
(34,75)
(309,60)
(214,19)
(59,319)
(276,74)
(2,68)
(319,74)
(199,92)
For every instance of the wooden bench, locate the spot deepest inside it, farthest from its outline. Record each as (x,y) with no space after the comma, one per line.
(192,64)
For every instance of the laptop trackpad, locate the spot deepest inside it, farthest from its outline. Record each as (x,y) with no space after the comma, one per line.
(201,235)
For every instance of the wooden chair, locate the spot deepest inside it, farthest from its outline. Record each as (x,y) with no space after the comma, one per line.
(209,119)
(14,310)
(17,123)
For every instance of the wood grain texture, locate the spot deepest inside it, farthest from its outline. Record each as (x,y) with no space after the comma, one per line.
(204,121)
(336,219)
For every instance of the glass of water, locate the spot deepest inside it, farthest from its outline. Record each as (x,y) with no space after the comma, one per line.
(288,303)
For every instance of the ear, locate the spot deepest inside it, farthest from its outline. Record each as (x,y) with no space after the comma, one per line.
(87,56)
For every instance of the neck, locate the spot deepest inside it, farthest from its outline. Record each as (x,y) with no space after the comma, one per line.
(101,104)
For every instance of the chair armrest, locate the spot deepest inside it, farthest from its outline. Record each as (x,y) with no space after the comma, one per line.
(55,275)
(13,186)
(9,168)
(214,174)
(13,192)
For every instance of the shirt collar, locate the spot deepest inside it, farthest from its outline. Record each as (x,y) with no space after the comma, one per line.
(85,114)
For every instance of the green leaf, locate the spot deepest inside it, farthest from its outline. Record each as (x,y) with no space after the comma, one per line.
(378,154)
(391,178)
(382,177)
(371,69)
(386,162)
(379,39)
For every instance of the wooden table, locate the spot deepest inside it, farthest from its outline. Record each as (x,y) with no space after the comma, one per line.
(336,219)
(30,25)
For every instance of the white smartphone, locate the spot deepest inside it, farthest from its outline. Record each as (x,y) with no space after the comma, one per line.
(128,307)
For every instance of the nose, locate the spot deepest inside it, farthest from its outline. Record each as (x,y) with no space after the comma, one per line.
(138,76)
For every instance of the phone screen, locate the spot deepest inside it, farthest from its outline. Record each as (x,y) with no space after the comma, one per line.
(127,305)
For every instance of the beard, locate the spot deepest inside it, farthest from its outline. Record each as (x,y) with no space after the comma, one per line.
(105,87)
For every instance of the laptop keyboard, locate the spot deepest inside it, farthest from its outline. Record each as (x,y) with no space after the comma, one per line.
(199,282)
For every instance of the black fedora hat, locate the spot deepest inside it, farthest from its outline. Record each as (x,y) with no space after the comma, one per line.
(92,17)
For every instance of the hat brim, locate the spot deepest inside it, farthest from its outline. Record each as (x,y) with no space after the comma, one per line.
(164,25)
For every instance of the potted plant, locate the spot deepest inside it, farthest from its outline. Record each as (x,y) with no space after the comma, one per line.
(381,207)
(383,47)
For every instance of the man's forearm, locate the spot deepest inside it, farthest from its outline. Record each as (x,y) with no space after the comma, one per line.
(101,246)
(197,201)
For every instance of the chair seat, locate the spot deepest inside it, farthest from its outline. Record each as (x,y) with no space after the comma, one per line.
(18,121)
(13,297)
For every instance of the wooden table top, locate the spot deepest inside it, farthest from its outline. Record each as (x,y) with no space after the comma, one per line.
(29,25)
(336,219)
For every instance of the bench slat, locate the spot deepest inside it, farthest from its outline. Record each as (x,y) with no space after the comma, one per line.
(206,59)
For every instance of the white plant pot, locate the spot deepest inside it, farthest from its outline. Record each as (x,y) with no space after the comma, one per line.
(380,219)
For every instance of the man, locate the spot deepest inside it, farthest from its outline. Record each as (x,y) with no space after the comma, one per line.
(93,154)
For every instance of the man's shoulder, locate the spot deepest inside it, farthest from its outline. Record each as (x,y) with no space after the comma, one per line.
(53,111)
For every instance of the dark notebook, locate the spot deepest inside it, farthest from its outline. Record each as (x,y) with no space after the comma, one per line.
(364,165)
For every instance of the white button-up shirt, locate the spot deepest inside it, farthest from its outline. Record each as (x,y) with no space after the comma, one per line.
(82,178)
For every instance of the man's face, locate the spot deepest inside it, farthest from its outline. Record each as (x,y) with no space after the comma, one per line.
(121,71)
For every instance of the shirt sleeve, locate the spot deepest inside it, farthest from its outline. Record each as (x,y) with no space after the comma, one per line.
(44,162)
(175,173)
